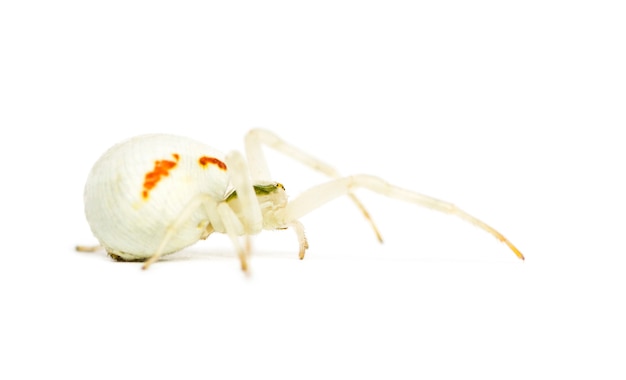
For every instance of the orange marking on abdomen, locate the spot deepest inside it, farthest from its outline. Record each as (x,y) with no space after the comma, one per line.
(205,161)
(161,169)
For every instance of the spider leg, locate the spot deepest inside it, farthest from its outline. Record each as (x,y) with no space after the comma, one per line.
(321,194)
(171,230)
(248,219)
(260,170)
(234,228)
(252,218)
(88,248)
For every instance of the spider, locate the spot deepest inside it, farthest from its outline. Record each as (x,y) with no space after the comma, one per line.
(154,195)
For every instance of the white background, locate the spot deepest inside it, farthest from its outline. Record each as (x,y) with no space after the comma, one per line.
(513,112)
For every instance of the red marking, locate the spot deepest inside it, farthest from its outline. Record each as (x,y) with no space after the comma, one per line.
(205,161)
(161,169)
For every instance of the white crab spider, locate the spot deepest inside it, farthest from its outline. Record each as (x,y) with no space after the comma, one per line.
(154,195)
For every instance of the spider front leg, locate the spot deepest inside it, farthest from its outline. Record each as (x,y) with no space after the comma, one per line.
(321,194)
(260,170)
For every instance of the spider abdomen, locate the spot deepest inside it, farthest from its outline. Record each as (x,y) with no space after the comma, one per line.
(139,189)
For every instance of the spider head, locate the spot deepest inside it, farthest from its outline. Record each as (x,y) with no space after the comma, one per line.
(272,200)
